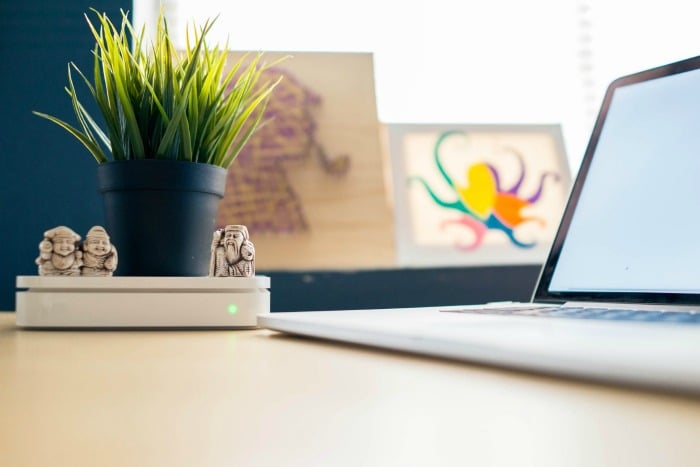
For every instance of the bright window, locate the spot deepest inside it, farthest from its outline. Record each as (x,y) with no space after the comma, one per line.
(448,61)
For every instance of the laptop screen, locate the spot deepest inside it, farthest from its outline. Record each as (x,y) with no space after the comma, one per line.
(631,231)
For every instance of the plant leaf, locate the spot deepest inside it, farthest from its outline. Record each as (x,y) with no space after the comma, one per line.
(91,146)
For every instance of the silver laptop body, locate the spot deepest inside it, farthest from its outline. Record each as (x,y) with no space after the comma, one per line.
(618,298)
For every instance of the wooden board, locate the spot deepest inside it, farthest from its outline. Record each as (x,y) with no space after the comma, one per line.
(305,210)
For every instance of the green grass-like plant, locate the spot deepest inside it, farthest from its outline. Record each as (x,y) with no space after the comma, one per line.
(158,104)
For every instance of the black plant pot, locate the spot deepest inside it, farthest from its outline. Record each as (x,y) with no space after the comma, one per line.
(161,214)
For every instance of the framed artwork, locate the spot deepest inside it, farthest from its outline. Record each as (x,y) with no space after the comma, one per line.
(311,184)
(476,194)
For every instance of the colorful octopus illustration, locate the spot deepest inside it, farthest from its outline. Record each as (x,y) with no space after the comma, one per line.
(484,203)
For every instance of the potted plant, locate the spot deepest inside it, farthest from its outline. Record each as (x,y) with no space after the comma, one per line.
(173,124)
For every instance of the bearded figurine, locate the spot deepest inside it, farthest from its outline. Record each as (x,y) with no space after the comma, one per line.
(99,255)
(232,253)
(59,254)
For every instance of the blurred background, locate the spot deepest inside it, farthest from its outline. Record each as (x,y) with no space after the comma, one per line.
(437,61)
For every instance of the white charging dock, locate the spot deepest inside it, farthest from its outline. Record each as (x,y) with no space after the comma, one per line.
(141,302)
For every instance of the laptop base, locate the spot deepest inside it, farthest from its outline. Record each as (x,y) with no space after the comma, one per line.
(657,356)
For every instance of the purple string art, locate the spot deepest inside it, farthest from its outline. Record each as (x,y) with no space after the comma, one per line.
(258,191)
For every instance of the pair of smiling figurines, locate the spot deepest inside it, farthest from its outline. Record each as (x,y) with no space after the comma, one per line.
(62,254)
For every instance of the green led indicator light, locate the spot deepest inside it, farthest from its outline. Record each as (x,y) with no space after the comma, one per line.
(232,309)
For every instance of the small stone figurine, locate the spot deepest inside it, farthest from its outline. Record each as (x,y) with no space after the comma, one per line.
(232,253)
(99,255)
(59,254)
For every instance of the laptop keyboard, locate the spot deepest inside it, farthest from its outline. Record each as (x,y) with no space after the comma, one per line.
(680,317)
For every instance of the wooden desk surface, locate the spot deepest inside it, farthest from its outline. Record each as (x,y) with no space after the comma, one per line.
(257,398)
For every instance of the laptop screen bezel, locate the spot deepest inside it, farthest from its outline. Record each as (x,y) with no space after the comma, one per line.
(542,293)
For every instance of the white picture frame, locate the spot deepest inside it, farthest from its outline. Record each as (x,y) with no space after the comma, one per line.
(509,185)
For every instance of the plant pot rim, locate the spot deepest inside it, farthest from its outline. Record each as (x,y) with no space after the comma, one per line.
(159,161)
(161,175)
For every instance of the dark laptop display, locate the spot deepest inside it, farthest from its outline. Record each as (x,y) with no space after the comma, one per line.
(631,231)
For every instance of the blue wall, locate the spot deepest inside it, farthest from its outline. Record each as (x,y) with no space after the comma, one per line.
(46,177)
(393,288)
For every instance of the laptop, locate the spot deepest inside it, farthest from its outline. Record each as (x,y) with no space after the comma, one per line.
(618,298)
